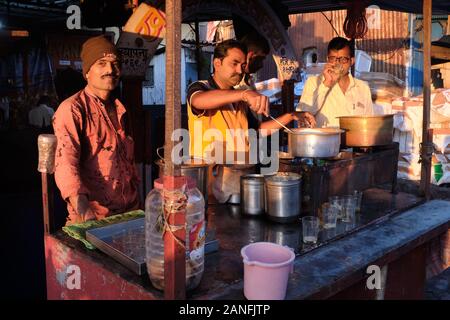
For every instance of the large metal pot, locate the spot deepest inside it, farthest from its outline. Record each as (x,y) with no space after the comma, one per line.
(314,142)
(195,168)
(367,131)
(283,196)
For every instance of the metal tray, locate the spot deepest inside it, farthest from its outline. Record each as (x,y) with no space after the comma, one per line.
(125,242)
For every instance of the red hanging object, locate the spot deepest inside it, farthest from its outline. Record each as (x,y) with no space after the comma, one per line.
(355,24)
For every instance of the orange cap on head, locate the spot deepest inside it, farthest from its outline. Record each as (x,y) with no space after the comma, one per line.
(94,49)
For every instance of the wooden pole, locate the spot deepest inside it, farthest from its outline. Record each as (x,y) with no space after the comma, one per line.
(174,251)
(46,147)
(448,25)
(426,149)
(47,202)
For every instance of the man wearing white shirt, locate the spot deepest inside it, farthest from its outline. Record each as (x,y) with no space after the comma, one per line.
(335,92)
(41,115)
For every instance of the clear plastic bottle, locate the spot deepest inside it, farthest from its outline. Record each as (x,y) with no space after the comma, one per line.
(195,235)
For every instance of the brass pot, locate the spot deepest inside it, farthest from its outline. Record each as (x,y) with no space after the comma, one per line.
(367,131)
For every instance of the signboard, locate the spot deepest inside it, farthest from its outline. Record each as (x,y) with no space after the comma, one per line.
(140,38)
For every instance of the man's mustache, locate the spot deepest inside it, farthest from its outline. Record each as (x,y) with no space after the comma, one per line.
(110,75)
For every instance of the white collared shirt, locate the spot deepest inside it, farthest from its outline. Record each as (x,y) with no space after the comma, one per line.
(357,100)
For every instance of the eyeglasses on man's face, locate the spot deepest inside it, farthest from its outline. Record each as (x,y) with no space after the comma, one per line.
(338,59)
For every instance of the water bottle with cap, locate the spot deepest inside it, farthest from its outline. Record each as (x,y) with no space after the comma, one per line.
(195,234)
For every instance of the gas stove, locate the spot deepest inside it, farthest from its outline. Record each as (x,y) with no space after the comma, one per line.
(352,169)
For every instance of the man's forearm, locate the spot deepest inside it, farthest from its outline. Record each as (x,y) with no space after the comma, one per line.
(213,99)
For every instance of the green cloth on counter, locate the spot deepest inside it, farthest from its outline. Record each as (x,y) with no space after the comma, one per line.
(78,231)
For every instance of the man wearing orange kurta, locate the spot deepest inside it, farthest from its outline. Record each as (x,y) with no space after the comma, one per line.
(94,164)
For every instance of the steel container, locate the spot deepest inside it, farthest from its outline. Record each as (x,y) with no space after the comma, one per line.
(314,142)
(283,196)
(195,168)
(367,131)
(252,194)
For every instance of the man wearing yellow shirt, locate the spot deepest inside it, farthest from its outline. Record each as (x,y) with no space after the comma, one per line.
(219,120)
(335,92)
(215,108)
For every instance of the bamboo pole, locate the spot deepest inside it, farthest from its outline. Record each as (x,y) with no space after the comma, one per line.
(426,147)
(47,203)
(174,252)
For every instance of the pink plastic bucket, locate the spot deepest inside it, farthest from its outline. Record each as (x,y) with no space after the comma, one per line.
(266,270)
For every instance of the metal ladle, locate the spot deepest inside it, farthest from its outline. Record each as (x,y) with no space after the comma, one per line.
(286,128)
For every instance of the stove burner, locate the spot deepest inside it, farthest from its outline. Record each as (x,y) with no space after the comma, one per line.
(372,149)
(343,155)
(364,149)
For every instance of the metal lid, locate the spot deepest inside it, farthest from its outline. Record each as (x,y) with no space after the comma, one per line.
(317,131)
(283,178)
(381,116)
(252,179)
(190,162)
(196,162)
(159,184)
(187,161)
(238,167)
(49,138)
(285,155)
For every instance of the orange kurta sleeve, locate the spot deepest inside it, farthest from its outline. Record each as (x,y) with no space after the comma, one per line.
(67,123)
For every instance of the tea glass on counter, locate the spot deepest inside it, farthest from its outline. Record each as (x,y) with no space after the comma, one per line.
(348,208)
(310,227)
(336,202)
(358,195)
(329,215)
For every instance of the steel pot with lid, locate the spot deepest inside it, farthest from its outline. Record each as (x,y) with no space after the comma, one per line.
(283,196)
(252,194)
(367,131)
(314,142)
(196,168)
